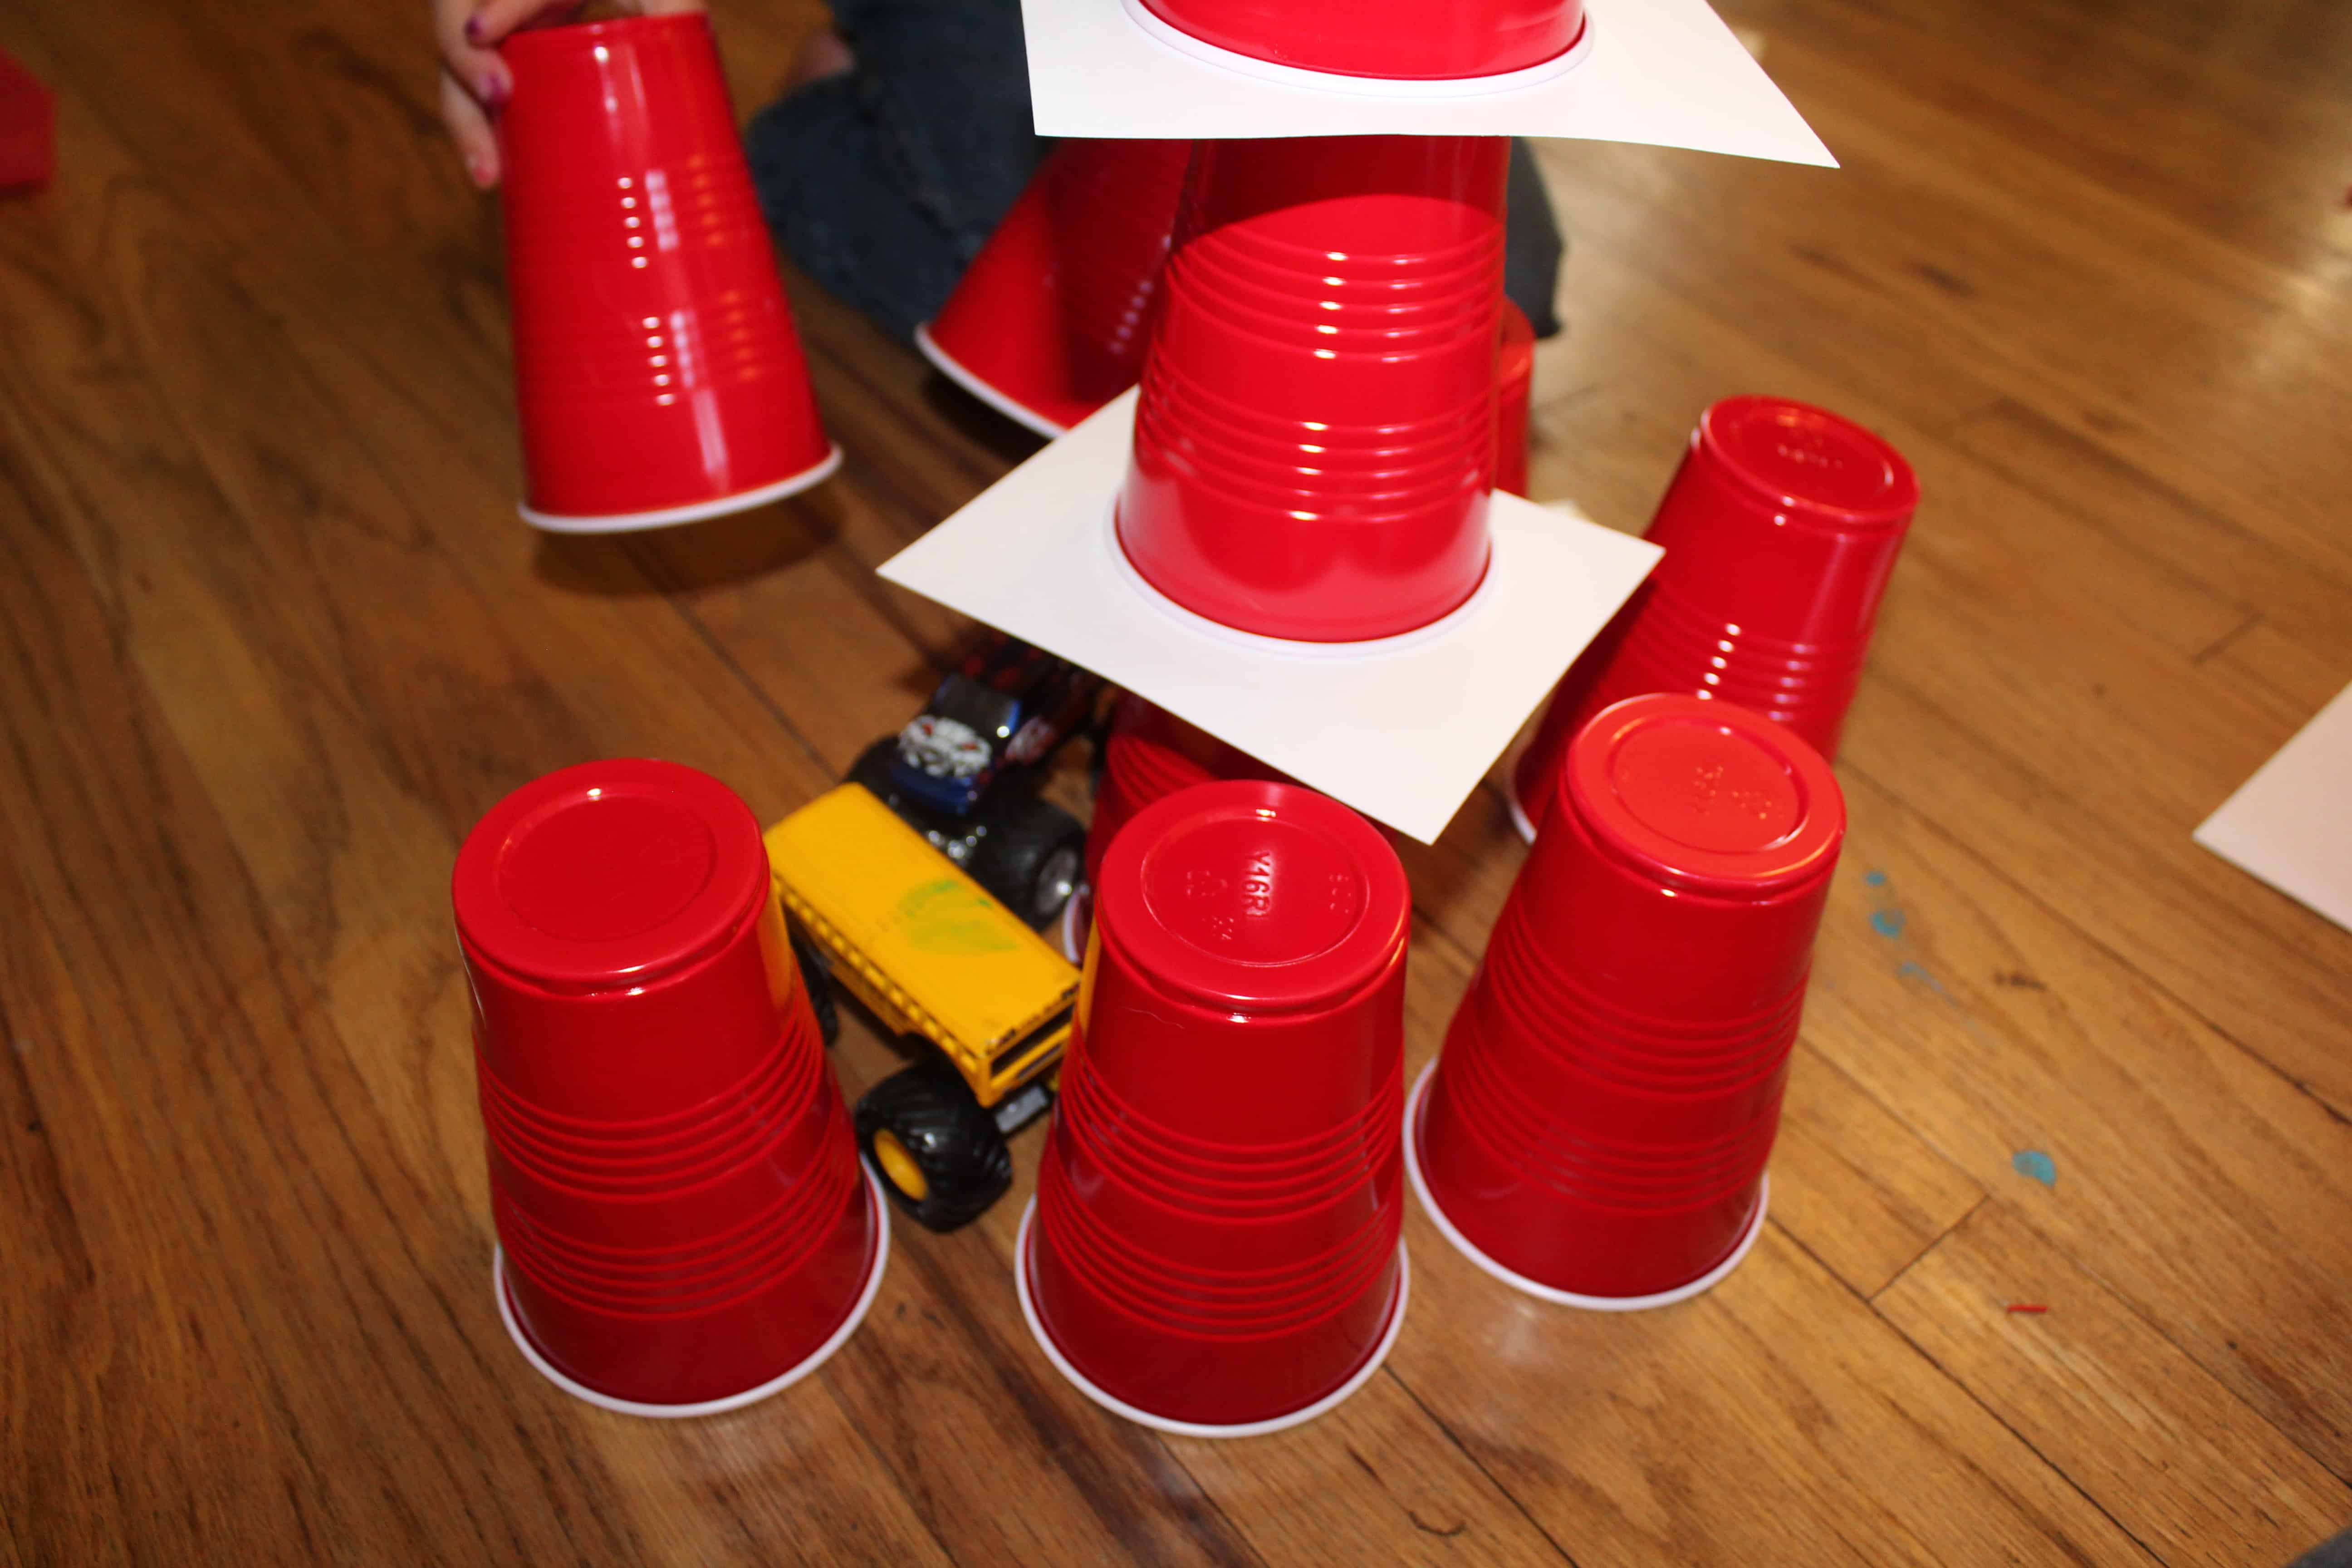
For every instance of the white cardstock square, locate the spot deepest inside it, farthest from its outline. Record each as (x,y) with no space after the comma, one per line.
(1667,73)
(1403,733)
(2291,824)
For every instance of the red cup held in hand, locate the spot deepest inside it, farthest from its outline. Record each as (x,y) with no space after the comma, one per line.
(657,378)
(1596,1128)
(1214,1247)
(1780,529)
(683,1222)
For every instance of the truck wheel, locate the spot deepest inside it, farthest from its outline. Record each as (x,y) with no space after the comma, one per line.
(816,978)
(1032,859)
(939,1153)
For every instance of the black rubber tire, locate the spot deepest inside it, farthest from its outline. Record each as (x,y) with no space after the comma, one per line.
(1031,860)
(930,1110)
(816,978)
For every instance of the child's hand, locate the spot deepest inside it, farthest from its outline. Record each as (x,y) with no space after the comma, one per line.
(474,83)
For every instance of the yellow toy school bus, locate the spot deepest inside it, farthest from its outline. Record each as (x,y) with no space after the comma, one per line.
(931,955)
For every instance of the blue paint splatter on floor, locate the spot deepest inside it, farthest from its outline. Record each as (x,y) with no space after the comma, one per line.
(1873,878)
(1886,922)
(1908,971)
(2034,1162)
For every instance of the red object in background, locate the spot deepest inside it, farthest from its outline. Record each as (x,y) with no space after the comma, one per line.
(658,377)
(1216,1238)
(1152,753)
(1050,321)
(1402,40)
(1599,1118)
(1780,529)
(1315,440)
(1515,379)
(681,1210)
(28,128)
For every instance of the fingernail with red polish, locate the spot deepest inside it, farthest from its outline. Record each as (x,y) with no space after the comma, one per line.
(474,30)
(494,91)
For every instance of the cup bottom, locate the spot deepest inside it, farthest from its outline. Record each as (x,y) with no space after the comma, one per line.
(694,512)
(1118,1406)
(777,1384)
(1462,1244)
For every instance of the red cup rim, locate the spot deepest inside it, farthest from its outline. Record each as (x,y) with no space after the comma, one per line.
(519,885)
(1808,461)
(1698,837)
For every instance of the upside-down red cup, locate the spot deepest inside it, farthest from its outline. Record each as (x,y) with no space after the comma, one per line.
(1152,753)
(1674,898)
(1781,528)
(630,972)
(1417,40)
(1515,378)
(1315,439)
(1050,321)
(657,376)
(626,951)
(1187,1263)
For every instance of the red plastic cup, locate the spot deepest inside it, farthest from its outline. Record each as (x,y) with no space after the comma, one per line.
(1315,441)
(1781,528)
(1516,378)
(28,128)
(669,1155)
(1214,1245)
(1597,1127)
(1418,40)
(658,377)
(1150,755)
(1051,318)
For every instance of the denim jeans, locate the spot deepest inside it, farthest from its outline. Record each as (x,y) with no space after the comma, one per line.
(884,183)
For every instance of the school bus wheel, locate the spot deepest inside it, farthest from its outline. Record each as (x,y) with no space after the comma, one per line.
(940,1153)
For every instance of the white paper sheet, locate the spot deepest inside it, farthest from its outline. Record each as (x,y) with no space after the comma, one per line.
(1663,72)
(2291,824)
(1404,735)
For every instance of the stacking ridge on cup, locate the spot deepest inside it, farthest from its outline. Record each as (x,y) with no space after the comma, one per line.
(1152,753)
(1051,318)
(1780,529)
(1214,1245)
(1412,41)
(658,377)
(1597,1125)
(682,1219)
(1315,438)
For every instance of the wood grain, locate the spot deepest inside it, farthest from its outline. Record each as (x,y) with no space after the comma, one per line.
(271,640)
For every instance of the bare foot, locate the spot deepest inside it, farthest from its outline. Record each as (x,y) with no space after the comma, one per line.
(823,53)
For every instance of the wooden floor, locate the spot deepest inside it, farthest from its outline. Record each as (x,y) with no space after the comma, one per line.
(271,638)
